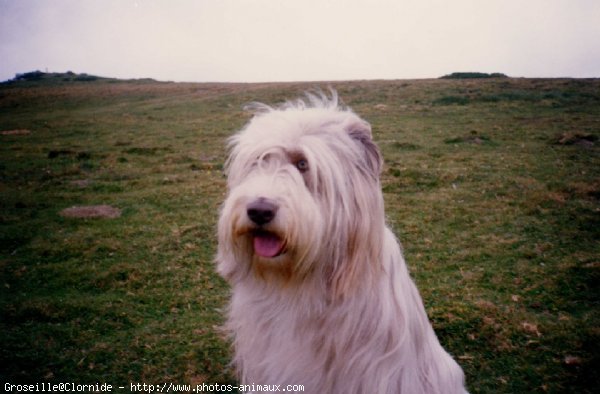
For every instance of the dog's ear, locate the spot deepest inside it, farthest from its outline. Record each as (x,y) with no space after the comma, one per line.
(360,131)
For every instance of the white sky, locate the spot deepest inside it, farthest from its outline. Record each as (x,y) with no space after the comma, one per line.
(300,40)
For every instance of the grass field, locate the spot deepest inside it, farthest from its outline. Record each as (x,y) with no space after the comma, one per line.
(492,185)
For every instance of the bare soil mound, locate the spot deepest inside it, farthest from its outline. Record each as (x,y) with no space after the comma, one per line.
(91,211)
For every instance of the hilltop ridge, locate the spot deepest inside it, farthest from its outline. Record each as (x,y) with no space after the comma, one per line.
(38,76)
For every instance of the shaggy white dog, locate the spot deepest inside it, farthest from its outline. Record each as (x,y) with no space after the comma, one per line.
(321,295)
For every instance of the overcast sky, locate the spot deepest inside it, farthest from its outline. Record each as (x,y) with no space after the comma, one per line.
(300,40)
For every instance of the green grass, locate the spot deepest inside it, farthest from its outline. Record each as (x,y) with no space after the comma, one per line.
(495,201)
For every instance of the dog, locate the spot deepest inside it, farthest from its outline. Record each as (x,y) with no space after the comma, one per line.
(321,295)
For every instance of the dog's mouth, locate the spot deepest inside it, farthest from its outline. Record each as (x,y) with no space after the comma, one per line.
(267,244)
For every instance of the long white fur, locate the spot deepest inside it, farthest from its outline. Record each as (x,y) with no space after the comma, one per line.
(338,311)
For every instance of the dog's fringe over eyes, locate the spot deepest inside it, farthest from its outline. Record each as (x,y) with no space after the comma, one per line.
(321,295)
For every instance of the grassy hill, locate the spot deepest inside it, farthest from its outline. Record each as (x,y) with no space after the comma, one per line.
(492,185)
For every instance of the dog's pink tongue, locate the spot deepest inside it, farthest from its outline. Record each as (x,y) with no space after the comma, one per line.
(267,245)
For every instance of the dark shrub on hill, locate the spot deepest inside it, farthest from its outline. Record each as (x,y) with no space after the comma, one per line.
(473,75)
(30,76)
(85,78)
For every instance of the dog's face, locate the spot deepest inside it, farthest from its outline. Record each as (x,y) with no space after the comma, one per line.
(302,186)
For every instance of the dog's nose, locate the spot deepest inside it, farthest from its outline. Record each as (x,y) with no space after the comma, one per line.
(261,211)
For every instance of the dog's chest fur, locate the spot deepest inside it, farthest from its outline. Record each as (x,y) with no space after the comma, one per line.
(318,343)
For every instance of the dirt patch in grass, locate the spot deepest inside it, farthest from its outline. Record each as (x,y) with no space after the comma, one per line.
(575,138)
(145,151)
(81,183)
(15,132)
(91,211)
(53,154)
(469,139)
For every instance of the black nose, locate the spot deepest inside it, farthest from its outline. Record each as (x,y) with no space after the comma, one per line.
(261,211)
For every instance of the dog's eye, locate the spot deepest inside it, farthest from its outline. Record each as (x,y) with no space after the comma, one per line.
(302,165)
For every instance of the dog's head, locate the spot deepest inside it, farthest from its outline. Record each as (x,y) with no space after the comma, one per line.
(303,194)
